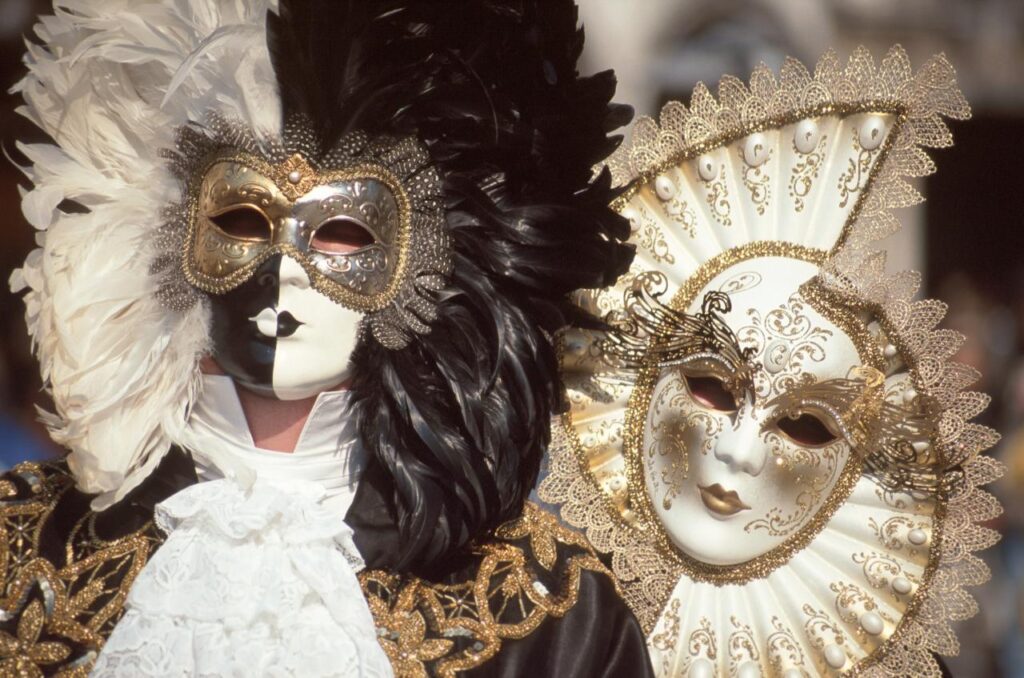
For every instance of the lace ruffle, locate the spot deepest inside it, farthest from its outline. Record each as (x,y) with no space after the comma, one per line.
(251,581)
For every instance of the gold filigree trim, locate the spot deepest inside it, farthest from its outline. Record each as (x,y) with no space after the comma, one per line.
(912,327)
(55,621)
(445,629)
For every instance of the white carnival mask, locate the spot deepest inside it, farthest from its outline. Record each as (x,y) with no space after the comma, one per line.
(732,476)
(771,442)
(278,336)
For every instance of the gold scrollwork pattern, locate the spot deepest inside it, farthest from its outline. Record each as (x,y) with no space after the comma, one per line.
(717,199)
(757,181)
(431,629)
(53,621)
(784,651)
(856,175)
(804,173)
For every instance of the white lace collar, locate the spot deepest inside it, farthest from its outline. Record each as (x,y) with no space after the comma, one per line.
(257,575)
(328,451)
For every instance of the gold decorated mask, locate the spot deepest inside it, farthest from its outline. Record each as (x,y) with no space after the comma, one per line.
(364,218)
(349,229)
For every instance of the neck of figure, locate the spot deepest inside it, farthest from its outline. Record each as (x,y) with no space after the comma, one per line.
(275,424)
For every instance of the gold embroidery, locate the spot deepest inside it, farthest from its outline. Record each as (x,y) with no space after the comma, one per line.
(653,240)
(717,199)
(51,616)
(444,629)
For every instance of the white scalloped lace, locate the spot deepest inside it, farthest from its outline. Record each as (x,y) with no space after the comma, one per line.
(252,581)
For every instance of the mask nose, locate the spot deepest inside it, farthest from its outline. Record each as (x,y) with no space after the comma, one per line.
(291,231)
(741,446)
(281,271)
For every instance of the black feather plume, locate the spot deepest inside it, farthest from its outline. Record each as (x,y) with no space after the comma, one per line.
(460,418)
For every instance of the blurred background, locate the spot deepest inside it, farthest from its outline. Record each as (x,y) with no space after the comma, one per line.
(968,237)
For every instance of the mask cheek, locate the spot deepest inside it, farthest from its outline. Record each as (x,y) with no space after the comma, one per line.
(317,356)
(801,480)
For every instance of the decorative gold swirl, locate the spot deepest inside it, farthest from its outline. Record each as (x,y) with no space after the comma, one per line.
(804,173)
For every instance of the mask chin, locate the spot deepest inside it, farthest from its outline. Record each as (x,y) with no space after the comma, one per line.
(279,338)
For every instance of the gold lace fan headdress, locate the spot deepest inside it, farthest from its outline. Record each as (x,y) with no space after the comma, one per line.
(804,167)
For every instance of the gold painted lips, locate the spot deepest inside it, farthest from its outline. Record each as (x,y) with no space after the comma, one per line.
(721,501)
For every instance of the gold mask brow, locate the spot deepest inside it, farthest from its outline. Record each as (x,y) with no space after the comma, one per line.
(647,333)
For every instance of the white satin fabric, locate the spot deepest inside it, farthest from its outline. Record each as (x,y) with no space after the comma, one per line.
(257,576)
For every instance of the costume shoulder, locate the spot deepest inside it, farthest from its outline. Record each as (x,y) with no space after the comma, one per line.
(535,599)
(66,570)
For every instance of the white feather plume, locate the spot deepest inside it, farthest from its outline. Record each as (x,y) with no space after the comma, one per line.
(110,83)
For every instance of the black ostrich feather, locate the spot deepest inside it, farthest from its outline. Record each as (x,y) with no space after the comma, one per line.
(460,418)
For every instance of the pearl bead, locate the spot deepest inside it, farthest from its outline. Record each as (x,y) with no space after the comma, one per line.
(628,515)
(634,222)
(917,537)
(615,485)
(872,623)
(701,668)
(793,673)
(872,132)
(755,150)
(707,168)
(748,670)
(664,187)
(294,176)
(806,137)
(902,586)
(835,656)
(890,351)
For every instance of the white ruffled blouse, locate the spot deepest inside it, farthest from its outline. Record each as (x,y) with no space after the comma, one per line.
(257,576)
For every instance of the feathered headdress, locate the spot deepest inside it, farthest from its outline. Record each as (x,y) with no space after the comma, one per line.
(459,417)
(110,83)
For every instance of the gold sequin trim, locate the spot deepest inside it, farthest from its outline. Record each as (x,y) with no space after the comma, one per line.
(55,621)
(443,629)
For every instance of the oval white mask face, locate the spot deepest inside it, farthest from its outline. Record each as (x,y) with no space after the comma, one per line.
(279,337)
(730,478)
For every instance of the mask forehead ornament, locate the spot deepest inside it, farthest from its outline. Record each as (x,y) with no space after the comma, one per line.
(364,219)
(770,440)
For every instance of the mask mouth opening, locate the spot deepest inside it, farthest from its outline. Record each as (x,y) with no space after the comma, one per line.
(287,325)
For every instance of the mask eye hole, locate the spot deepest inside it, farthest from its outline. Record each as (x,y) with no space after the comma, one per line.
(710,392)
(339,236)
(246,223)
(807,430)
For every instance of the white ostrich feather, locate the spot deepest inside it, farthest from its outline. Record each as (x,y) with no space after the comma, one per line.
(110,83)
